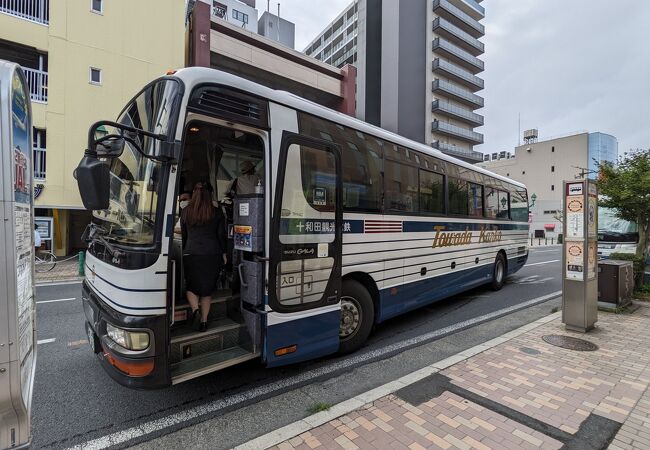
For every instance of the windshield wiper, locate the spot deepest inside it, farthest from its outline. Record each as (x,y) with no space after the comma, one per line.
(98,233)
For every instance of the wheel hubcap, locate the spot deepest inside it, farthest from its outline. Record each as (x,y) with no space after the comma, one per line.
(499,274)
(350,317)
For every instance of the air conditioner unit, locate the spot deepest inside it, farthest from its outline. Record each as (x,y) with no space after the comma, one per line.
(495,156)
(502,155)
(486,157)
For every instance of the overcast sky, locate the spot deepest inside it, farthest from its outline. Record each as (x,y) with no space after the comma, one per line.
(565,65)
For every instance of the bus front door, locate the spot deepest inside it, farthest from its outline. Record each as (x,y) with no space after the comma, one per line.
(305,248)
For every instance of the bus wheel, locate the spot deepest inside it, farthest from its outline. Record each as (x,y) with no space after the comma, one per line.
(357,316)
(499,272)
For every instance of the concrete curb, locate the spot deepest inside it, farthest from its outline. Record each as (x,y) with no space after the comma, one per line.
(301,426)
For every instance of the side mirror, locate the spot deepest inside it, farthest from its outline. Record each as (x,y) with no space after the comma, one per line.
(110,147)
(93,180)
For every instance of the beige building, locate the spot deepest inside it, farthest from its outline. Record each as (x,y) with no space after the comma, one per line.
(84,59)
(544,166)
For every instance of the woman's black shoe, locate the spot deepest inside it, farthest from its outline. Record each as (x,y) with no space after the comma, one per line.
(196,320)
(203,327)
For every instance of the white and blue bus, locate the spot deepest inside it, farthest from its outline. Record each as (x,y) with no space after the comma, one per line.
(349,226)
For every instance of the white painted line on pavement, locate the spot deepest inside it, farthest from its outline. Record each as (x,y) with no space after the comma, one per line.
(61,283)
(189,415)
(540,263)
(545,251)
(57,301)
(301,426)
(45,341)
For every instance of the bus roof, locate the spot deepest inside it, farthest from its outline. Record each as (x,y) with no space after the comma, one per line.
(193,76)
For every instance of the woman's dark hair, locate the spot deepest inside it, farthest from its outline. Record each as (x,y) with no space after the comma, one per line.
(200,210)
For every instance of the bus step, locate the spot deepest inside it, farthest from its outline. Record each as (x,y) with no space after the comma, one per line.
(211,362)
(188,344)
(220,307)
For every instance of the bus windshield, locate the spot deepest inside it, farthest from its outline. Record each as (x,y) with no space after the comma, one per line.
(135,180)
(611,227)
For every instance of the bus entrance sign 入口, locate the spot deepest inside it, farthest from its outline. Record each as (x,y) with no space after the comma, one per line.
(579,261)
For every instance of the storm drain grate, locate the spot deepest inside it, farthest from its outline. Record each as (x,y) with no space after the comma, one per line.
(570,343)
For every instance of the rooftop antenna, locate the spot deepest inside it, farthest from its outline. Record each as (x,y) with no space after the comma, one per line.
(268,6)
(519,132)
(278,21)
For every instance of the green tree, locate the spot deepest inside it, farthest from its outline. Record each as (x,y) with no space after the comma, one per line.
(625,188)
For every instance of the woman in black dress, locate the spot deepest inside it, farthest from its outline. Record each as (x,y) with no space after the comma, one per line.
(204,251)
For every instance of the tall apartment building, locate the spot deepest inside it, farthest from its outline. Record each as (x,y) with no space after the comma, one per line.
(337,43)
(83,60)
(417,67)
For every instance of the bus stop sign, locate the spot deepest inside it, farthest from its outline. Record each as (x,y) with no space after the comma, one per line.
(17,331)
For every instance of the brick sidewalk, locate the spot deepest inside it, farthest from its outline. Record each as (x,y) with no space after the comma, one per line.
(521,394)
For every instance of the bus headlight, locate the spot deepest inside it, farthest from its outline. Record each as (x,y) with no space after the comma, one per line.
(130,340)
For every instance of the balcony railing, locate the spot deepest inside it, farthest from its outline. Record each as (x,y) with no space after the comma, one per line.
(37,81)
(463,153)
(458,93)
(39,163)
(444,107)
(455,131)
(451,31)
(33,10)
(458,74)
(464,58)
(462,19)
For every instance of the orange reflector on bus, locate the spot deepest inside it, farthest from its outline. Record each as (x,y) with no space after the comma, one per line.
(170,72)
(133,369)
(286,350)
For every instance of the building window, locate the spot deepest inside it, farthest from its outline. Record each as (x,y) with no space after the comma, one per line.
(507,174)
(553,149)
(523,172)
(552,187)
(552,168)
(97,6)
(238,15)
(40,145)
(95,76)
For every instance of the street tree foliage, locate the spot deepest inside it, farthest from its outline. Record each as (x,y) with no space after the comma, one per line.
(625,187)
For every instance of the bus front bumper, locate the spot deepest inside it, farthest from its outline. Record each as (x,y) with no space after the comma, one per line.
(146,369)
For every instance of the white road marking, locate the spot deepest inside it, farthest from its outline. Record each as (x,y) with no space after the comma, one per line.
(57,301)
(189,415)
(46,341)
(544,251)
(540,263)
(61,283)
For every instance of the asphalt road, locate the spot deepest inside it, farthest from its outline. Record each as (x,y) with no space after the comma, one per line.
(76,402)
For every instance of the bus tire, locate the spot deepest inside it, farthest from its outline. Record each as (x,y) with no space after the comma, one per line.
(499,272)
(357,316)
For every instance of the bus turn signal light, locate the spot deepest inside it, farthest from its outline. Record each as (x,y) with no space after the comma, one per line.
(286,350)
(132,369)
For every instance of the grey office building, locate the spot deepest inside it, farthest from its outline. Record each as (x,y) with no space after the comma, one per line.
(418,64)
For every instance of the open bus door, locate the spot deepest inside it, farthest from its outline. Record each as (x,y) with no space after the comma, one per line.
(305,253)
(17,332)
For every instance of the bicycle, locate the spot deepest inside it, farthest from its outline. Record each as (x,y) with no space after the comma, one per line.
(44,261)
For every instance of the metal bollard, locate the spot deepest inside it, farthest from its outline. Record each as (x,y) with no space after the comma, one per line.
(531,240)
(82,263)
(539,241)
(552,240)
(545,241)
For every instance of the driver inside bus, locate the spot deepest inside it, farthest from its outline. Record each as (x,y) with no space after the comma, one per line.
(245,183)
